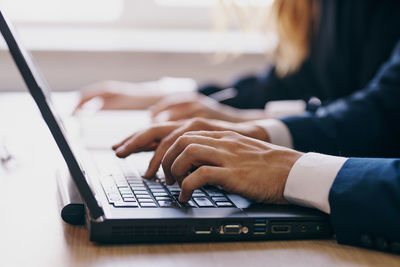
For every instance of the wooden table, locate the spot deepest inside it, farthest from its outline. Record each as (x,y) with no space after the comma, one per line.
(33,234)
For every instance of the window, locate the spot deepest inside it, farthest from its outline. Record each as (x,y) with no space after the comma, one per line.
(159,14)
(66,11)
(123,13)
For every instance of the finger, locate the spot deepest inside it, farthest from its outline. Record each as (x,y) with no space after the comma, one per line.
(167,142)
(178,147)
(86,97)
(116,146)
(204,175)
(195,155)
(143,139)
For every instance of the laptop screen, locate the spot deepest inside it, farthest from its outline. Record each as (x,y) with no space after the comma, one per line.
(41,94)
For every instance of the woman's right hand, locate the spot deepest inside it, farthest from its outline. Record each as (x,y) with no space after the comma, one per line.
(161,136)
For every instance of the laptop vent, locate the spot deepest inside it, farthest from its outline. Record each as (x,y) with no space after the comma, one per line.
(146,230)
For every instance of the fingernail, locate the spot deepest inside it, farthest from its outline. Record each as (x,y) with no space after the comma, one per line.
(147,174)
(120,151)
(180,197)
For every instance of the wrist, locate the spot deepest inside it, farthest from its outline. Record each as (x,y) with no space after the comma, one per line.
(283,161)
(291,159)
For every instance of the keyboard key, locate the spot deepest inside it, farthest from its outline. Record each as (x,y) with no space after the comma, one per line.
(143,197)
(140,192)
(148,205)
(125,204)
(203,202)
(163,198)
(158,190)
(129,199)
(134,179)
(167,204)
(191,204)
(160,194)
(136,185)
(124,190)
(198,194)
(224,204)
(127,195)
(145,200)
(220,199)
(174,189)
(215,194)
(138,188)
(114,197)
(155,186)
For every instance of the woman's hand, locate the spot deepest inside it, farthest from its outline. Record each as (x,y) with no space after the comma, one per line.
(161,136)
(121,95)
(254,169)
(195,105)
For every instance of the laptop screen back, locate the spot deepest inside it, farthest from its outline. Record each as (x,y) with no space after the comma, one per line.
(41,94)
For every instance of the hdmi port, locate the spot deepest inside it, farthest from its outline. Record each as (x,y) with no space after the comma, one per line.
(281,229)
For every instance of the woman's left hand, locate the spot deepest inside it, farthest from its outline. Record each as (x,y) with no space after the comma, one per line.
(251,168)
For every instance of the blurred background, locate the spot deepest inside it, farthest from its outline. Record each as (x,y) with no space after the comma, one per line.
(78,42)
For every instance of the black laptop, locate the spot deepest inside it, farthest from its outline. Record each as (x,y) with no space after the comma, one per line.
(122,207)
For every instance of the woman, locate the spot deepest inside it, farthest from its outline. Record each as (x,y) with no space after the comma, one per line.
(327,49)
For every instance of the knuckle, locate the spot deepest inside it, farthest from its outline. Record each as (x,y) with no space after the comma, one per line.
(175,171)
(197,122)
(191,149)
(182,140)
(203,172)
(231,133)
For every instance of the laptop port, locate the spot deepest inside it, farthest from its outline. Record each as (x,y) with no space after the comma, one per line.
(281,229)
(233,229)
(260,221)
(202,230)
(259,230)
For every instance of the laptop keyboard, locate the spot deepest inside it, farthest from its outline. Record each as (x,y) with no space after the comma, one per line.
(125,187)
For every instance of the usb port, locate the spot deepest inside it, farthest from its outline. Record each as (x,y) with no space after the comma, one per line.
(260,221)
(202,230)
(259,230)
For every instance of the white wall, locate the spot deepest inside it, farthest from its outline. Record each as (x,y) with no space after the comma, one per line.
(70,70)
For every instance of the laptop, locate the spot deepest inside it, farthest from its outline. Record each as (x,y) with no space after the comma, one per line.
(122,207)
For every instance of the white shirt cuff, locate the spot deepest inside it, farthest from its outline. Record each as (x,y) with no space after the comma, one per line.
(278,132)
(310,180)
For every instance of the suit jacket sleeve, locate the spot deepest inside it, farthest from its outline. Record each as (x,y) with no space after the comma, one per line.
(256,91)
(365,203)
(367,123)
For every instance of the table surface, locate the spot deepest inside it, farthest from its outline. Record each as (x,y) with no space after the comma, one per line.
(33,234)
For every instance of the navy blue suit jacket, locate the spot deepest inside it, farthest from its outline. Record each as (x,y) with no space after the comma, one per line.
(365,196)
